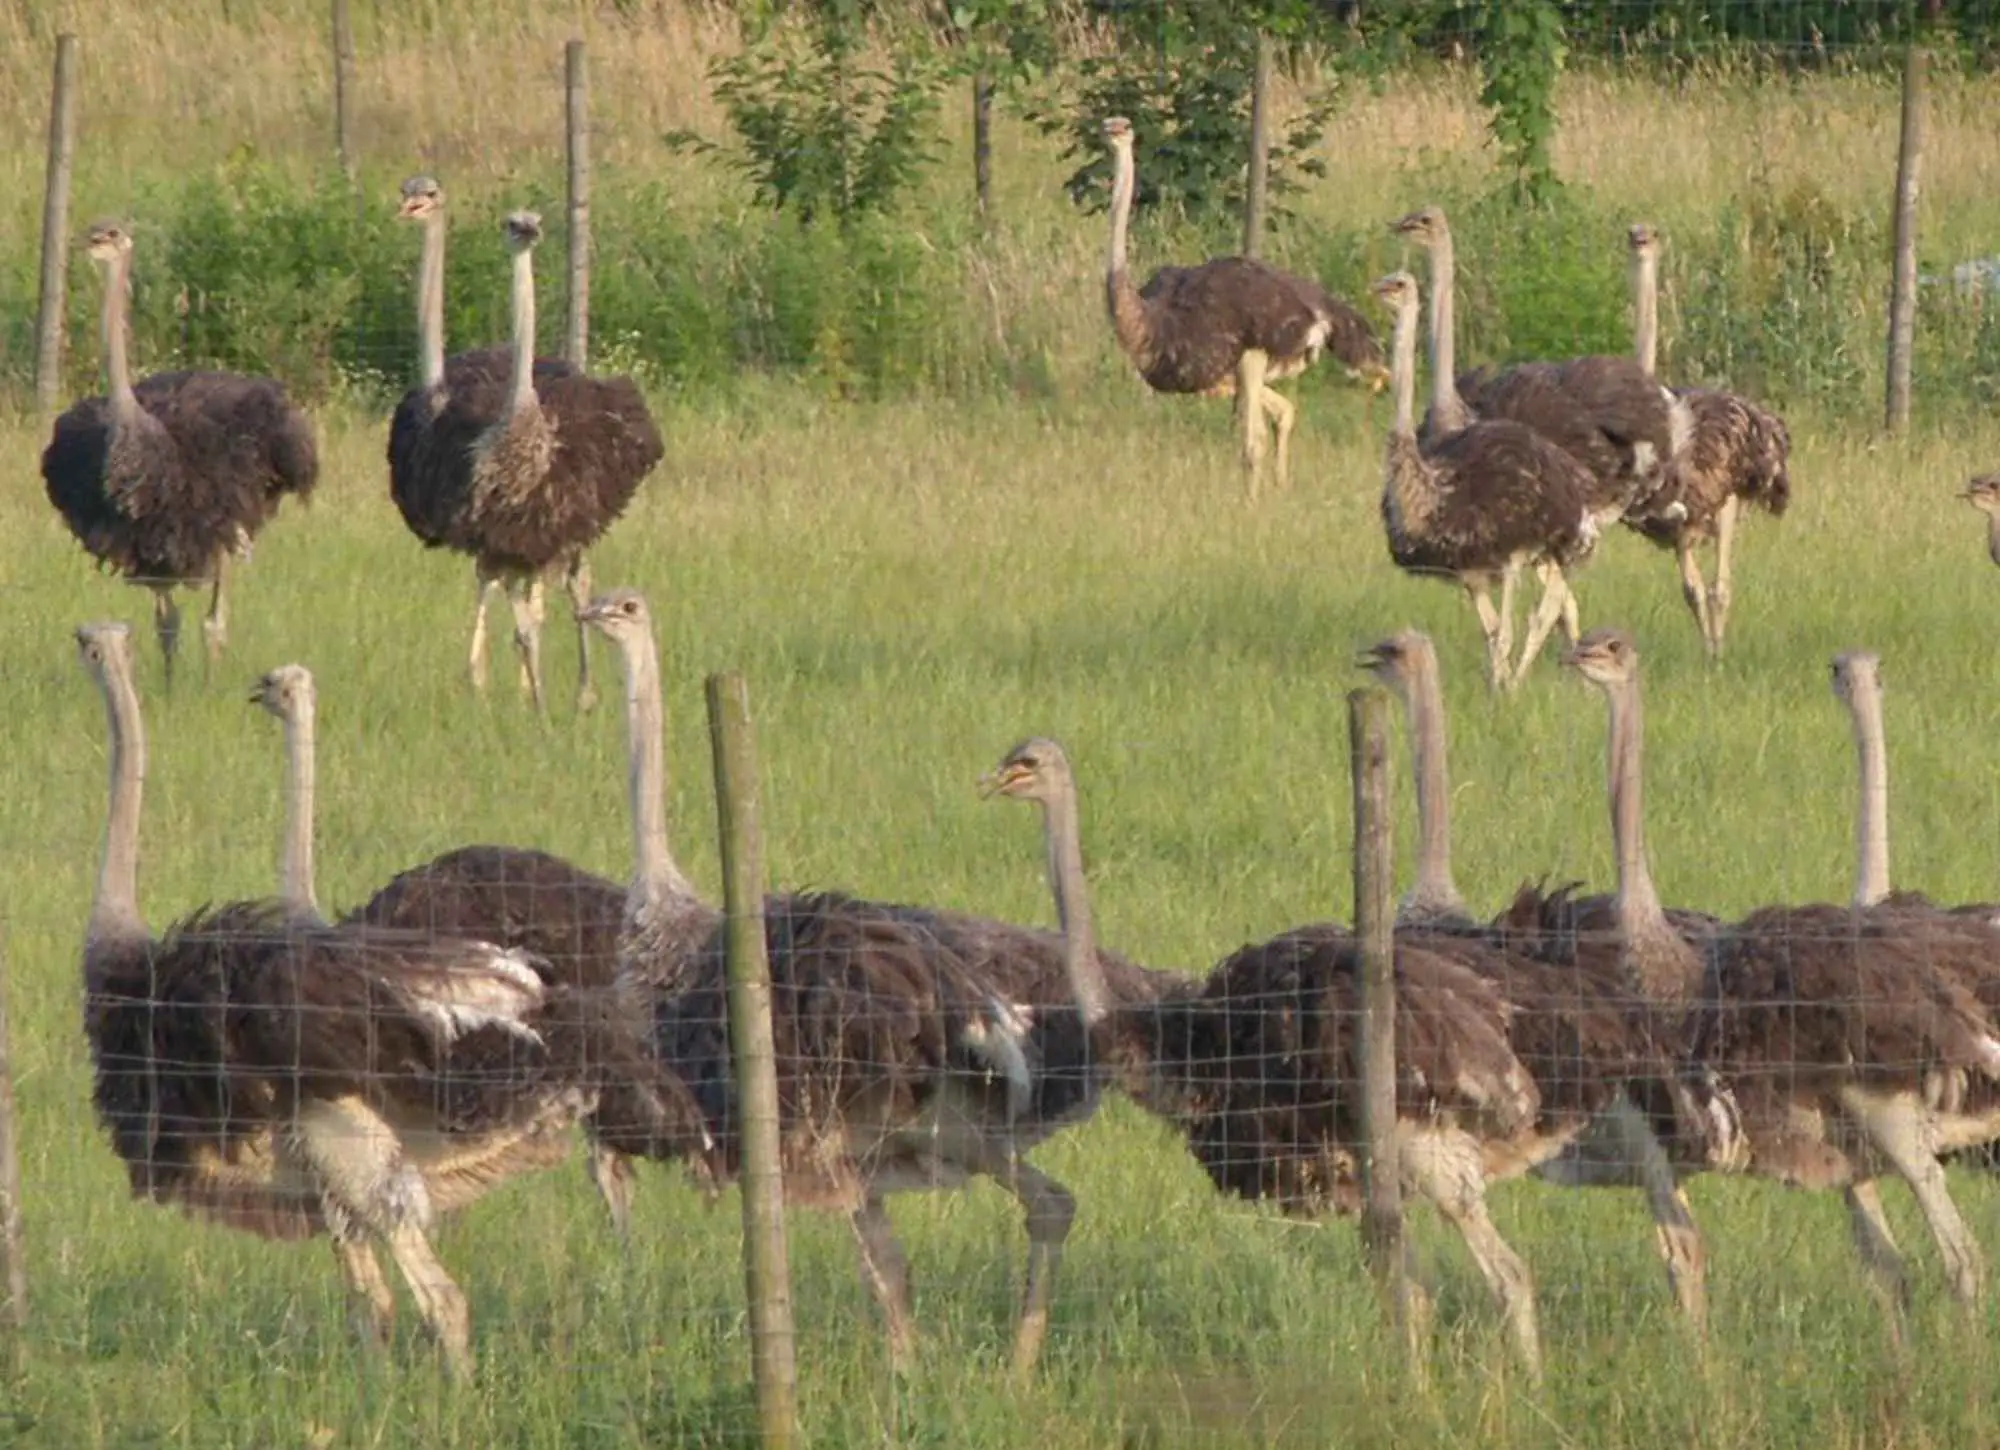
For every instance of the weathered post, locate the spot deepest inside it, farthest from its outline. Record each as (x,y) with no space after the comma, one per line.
(1260,150)
(576,89)
(343,90)
(51,313)
(1903,291)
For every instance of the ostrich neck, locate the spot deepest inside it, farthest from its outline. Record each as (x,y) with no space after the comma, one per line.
(656,877)
(114,914)
(522,395)
(1403,367)
(1646,310)
(1128,310)
(1425,699)
(295,869)
(1871,830)
(1072,894)
(117,323)
(430,303)
(1408,496)
(1448,410)
(1653,951)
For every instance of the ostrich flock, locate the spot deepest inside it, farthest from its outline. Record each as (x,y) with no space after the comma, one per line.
(265,1066)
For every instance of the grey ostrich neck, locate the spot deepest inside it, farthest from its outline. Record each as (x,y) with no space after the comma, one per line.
(1403,370)
(1448,411)
(1423,699)
(1646,308)
(657,881)
(1871,827)
(114,914)
(295,867)
(1063,829)
(117,364)
(521,395)
(1659,961)
(1409,497)
(1121,296)
(430,303)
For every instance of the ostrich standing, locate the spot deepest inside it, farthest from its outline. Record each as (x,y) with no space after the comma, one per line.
(1229,327)
(1734,452)
(165,480)
(1478,504)
(523,470)
(901,1066)
(278,1075)
(1605,412)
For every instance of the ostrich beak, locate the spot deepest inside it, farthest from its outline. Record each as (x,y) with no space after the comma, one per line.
(1004,778)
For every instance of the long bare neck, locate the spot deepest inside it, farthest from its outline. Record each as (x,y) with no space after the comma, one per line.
(114,914)
(1065,845)
(1871,827)
(522,393)
(1121,294)
(1448,410)
(295,867)
(1434,888)
(1646,309)
(430,303)
(1403,372)
(117,325)
(656,877)
(1638,901)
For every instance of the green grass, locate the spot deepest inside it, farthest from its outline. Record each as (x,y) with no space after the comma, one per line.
(910,589)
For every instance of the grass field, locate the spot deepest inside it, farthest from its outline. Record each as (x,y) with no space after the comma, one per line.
(911,587)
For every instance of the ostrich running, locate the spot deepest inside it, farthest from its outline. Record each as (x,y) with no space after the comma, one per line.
(523,468)
(281,1076)
(1735,452)
(1983,493)
(1229,327)
(1478,504)
(167,479)
(1605,412)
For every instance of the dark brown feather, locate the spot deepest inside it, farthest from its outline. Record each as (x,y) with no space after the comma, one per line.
(1735,449)
(1505,492)
(1200,320)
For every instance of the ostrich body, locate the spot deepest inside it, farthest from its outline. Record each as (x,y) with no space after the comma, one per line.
(1229,327)
(1605,412)
(267,1071)
(900,1066)
(1479,504)
(167,479)
(522,468)
(1735,452)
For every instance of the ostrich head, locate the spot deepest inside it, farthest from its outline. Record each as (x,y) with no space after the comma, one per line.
(1983,493)
(1853,671)
(618,615)
(1389,660)
(1424,226)
(107,241)
(523,229)
(1397,291)
(105,648)
(286,692)
(1642,239)
(1606,657)
(422,197)
(1118,133)
(1034,770)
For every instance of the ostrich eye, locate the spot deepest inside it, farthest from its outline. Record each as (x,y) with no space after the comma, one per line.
(631,607)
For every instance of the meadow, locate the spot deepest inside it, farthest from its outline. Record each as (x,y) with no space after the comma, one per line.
(911,584)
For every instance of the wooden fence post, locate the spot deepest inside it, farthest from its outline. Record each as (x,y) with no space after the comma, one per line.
(1374,932)
(13,1254)
(982,143)
(764,1260)
(1903,292)
(1260,150)
(576,91)
(52,312)
(343,90)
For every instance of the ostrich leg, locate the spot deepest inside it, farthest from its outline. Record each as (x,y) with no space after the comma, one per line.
(577,581)
(483,580)
(167,625)
(1490,625)
(1694,589)
(1880,1256)
(1718,597)
(1548,610)
(215,628)
(1250,369)
(1283,414)
(528,597)
(885,1273)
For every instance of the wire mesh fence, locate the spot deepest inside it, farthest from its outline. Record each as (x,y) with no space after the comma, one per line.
(1100,1171)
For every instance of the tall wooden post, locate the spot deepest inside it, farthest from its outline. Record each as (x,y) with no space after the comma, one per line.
(576,90)
(1260,151)
(765,1270)
(13,1255)
(982,143)
(52,312)
(1374,933)
(343,90)
(1903,292)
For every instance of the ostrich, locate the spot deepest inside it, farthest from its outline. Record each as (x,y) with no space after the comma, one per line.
(165,480)
(1479,503)
(1735,452)
(523,469)
(1983,493)
(288,694)
(1259,1070)
(285,1077)
(901,1066)
(1605,412)
(1229,327)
